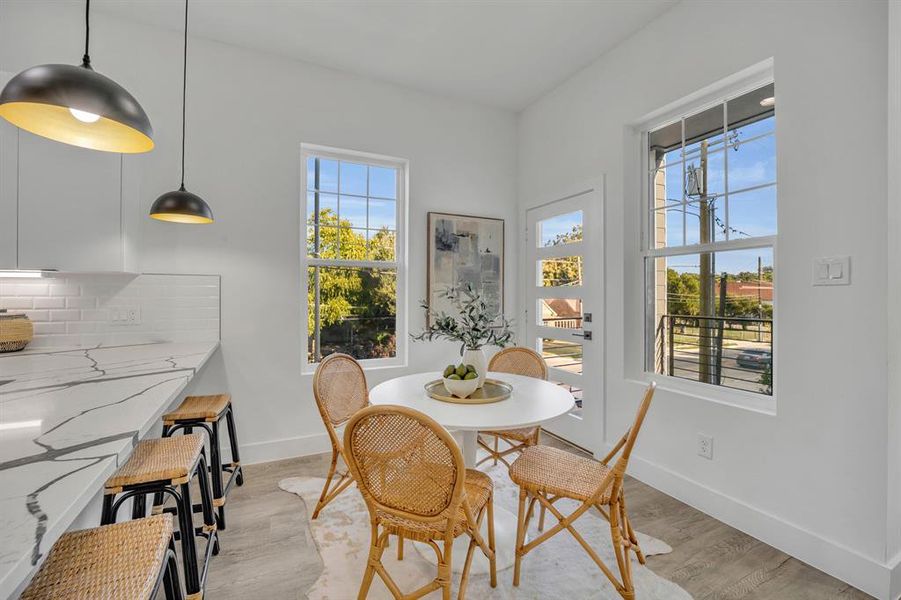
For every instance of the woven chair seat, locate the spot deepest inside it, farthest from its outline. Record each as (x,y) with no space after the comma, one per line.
(115,562)
(523,434)
(478,488)
(546,470)
(192,408)
(165,459)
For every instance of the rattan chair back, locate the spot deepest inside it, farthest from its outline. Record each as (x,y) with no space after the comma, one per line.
(519,361)
(339,387)
(632,434)
(404,463)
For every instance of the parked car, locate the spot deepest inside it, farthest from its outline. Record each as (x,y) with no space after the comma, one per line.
(754,358)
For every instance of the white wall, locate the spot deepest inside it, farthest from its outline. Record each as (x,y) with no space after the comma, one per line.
(247,115)
(812,478)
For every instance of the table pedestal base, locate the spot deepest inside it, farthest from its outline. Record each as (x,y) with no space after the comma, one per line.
(504,545)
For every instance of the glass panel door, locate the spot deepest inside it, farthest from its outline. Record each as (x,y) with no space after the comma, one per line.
(564,250)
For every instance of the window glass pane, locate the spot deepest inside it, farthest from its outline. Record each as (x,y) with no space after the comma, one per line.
(703,129)
(714,317)
(353,243)
(353,211)
(327,174)
(328,208)
(381,244)
(353,178)
(560,229)
(382,214)
(753,213)
(666,183)
(351,310)
(704,175)
(327,243)
(383,182)
(565,313)
(562,354)
(566,270)
(705,216)
(752,163)
(668,227)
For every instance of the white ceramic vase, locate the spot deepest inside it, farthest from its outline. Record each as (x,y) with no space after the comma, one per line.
(477,359)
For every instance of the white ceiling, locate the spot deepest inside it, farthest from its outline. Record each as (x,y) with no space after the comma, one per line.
(504,53)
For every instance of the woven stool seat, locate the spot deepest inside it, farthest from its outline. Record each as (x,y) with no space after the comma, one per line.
(546,470)
(523,434)
(114,562)
(165,459)
(477,487)
(208,408)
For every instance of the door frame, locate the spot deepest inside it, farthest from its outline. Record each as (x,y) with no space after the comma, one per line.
(593,437)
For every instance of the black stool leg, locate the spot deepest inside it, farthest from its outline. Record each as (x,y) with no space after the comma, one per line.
(106,514)
(216,472)
(186,535)
(233,441)
(206,502)
(171,583)
(158,497)
(139,506)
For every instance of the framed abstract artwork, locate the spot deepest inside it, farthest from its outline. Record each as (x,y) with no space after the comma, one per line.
(465,250)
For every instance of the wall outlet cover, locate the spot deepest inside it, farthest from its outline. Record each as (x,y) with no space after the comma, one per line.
(705,446)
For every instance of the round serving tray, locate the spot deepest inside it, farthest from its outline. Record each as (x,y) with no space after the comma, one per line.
(491,391)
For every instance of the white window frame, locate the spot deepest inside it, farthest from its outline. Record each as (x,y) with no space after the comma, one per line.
(742,83)
(400,259)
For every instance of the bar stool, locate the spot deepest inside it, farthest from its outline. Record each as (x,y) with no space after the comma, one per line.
(127,560)
(166,467)
(207,412)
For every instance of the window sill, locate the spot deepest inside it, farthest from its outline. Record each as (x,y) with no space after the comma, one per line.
(758,403)
(369,364)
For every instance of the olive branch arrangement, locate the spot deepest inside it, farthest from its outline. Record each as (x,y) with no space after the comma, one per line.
(476,326)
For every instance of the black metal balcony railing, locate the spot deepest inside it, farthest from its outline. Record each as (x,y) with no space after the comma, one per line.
(734,352)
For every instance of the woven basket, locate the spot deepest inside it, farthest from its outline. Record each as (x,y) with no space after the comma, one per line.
(16,331)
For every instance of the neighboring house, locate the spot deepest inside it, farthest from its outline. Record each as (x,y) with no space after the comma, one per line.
(561,312)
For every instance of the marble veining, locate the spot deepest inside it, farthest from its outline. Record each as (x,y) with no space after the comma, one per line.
(68,418)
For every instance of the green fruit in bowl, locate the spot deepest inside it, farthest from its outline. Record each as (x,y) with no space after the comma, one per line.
(449,369)
(461,370)
(454,376)
(471,375)
(471,368)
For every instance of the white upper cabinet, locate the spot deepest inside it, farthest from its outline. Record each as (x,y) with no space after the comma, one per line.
(70,207)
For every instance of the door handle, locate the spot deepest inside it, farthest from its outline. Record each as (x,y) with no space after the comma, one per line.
(586,335)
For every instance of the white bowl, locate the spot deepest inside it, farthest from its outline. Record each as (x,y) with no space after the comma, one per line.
(461,388)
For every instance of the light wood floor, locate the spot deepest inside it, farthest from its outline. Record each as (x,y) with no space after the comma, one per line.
(268,552)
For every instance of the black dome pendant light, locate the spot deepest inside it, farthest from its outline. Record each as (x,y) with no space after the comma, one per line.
(76,105)
(181,206)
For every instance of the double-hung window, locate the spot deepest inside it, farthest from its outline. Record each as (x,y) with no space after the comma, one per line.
(353,254)
(710,231)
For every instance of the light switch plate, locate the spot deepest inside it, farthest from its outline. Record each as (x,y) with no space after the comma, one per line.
(832,270)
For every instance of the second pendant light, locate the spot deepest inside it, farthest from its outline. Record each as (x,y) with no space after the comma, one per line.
(181,206)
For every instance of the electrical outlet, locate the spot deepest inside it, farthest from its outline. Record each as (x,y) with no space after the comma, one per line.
(705,446)
(133,315)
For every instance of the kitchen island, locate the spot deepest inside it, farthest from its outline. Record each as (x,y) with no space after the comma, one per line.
(68,418)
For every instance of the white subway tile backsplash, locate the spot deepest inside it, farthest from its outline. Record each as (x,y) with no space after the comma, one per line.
(78,310)
(80,302)
(50,303)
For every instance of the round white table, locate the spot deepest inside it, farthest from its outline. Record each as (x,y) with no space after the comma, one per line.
(532,402)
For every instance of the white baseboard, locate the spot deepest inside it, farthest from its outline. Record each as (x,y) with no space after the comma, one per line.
(880,580)
(257,452)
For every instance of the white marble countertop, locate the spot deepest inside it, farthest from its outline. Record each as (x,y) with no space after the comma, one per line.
(67,419)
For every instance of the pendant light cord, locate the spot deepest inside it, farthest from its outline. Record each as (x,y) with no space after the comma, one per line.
(86,59)
(184,100)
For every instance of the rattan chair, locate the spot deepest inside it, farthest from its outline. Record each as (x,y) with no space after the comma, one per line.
(546,474)
(412,476)
(339,387)
(519,361)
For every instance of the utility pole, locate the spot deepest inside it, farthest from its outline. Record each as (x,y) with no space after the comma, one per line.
(706,280)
